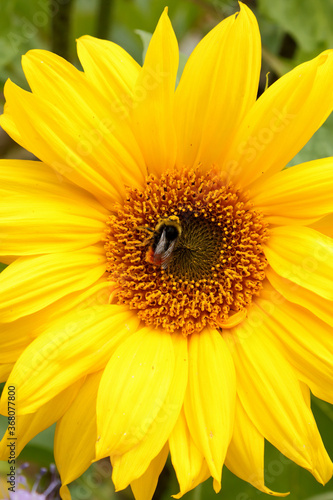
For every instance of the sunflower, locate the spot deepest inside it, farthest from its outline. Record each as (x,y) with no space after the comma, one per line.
(170,285)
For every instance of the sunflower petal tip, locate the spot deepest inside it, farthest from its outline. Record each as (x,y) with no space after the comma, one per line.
(28,55)
(276,493)
(119,485)
(246,15)
(9,82)
(217,485)
(65,493)
(83,39)
(261,487)
(165,17)
(11,88)
(322,476)
(242,7)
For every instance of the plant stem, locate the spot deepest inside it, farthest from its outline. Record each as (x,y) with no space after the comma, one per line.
(60,28)
(197,492)
(104,18)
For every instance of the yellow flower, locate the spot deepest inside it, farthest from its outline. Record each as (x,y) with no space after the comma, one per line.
(170,285)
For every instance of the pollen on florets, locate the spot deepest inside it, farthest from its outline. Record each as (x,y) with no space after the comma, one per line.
(216,266)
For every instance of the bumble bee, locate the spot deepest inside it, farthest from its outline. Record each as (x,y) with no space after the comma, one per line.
(163,241)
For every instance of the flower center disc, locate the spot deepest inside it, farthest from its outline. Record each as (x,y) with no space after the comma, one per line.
(207,274)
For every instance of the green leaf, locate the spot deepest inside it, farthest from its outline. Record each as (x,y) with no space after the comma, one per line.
(23,26)
(145,39)
(309,22)
(3,423)
(271,34)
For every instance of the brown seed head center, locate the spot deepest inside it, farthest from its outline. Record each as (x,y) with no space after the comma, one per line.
(215,263)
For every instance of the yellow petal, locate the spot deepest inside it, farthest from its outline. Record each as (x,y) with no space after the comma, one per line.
(189,464)
(144,487)
(9,125)
(276,406)
(12,346)
(34,178)
(73,456)
(153,99)
(218,86)
(302,255)
(28,426)
(306,342)
(49,216)
(30,227)
(285,289)
(74,346)
(65,493)
(282,121)
(18,334)
(298,195)
(134,463)
(44,279)
(133,387)
(245,456)
(210,398)
(81,139)
(324,466)
(110,69)
(50,76)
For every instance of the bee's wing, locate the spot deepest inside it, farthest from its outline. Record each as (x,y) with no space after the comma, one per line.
(160,247)
(167,254)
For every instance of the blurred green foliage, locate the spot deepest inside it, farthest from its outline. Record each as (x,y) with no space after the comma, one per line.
(292,32)
(308,22)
